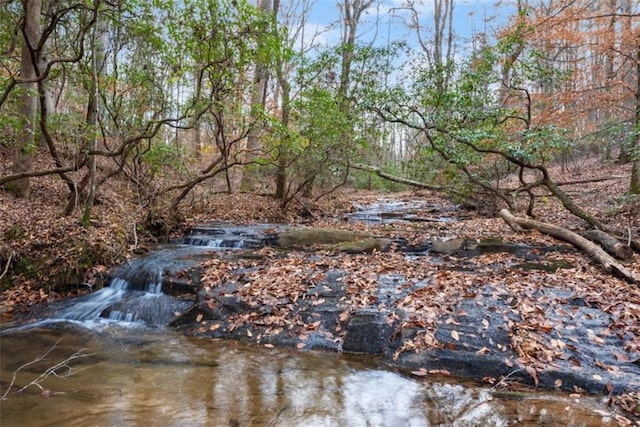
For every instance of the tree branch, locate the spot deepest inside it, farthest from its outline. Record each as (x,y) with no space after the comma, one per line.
(609,264)
(376,171)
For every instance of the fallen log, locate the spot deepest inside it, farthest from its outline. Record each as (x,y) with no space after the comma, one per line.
(588,180)
(612,245)
(596,252)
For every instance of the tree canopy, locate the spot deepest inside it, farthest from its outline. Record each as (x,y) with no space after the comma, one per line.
(229,95)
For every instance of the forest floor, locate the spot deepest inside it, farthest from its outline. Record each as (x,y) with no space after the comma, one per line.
(40,244)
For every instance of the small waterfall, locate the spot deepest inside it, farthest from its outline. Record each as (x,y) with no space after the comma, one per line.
(133,295)
(225,236)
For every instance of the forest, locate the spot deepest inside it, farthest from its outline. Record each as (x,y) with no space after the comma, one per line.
(127,122)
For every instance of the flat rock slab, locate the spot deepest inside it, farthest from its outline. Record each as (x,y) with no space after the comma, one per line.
(546,336)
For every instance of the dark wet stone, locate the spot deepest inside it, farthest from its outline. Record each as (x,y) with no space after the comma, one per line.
(228,305)
(474,338)
(463,363)
(367,332)
(187,283)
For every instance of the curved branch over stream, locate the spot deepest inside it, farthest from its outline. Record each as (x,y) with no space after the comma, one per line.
(377,171)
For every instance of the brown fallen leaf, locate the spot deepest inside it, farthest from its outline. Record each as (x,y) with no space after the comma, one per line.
(422,372)
(483,350)
(443,372)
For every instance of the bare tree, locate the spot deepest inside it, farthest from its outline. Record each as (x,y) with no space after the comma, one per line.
(29,99)
(258,95)
(438,48)
(634,186)
(351,11)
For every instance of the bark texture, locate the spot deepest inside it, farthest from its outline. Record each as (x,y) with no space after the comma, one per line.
(29,98)
(596,252)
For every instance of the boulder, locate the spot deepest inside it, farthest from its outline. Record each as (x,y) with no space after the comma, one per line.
(318,236)
(444,246)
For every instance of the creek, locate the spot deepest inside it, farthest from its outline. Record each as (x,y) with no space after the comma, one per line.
(134,371)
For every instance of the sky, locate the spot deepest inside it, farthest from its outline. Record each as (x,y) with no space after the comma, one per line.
(470,17)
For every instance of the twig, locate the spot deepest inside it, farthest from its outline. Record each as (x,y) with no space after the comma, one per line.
(6,268)
(135,234)
(52,370)
(502,381)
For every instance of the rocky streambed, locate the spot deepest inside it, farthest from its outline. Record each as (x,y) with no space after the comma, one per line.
(501,313)
(428,293)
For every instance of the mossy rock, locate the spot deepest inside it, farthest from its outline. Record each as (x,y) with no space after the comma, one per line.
(491,242)
(363,246)
(318,236)
(550,266)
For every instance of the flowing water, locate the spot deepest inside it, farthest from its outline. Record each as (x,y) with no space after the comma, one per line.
(143,377)
(133,371)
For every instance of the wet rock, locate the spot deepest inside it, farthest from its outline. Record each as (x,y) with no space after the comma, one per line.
(462,363)
(480,336)
(367,332)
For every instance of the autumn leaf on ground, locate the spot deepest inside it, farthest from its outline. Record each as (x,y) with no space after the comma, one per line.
(422,372)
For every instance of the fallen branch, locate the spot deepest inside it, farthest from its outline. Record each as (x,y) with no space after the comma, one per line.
(6,268)
(52,370)
(31,174)
(607,261)
(400,180)
(588,180)
(610,244)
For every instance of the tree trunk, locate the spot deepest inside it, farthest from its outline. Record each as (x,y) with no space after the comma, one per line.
(612,245)
(258,102)
(634,186)
(283,150)
(29,99)
(98,54)
(594,251)
(351,13)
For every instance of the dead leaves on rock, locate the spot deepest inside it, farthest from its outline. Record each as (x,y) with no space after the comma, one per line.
(428,289)
(628,402)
